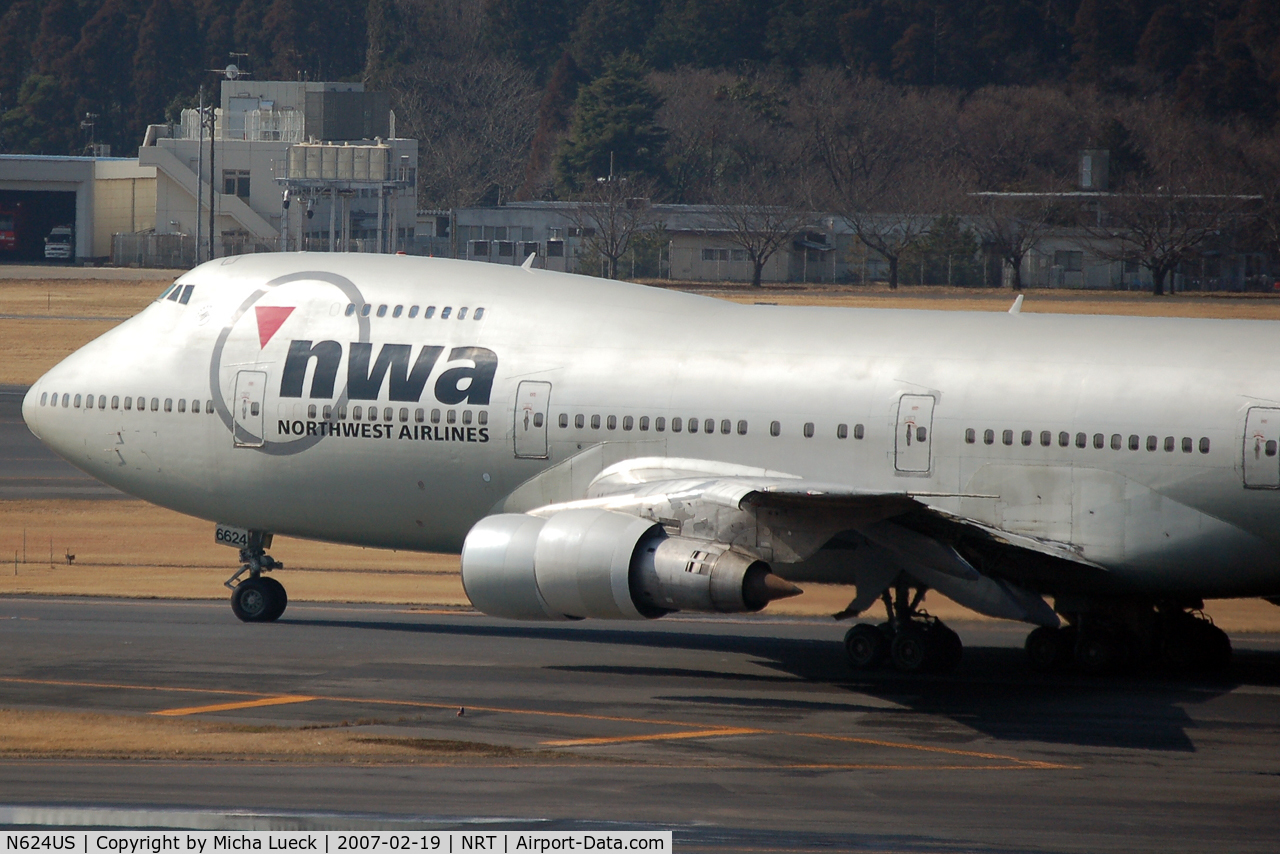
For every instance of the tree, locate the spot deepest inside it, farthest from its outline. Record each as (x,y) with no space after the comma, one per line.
(614,130)
(553,124)
(159,67)
(610,213)
(1013,223)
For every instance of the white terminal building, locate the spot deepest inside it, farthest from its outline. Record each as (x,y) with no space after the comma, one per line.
(279,166)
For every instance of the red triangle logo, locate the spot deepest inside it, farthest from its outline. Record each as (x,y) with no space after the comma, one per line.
(270,319)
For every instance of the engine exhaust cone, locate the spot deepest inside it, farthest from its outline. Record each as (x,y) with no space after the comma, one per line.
(761,588)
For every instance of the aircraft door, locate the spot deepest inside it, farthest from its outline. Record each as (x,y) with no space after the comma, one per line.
(247,409)
(1261,460)
(532,400)
(912,448)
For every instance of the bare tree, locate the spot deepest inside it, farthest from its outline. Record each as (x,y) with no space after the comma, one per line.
(610,214)
(1013,223)
(885,153)
(760,217)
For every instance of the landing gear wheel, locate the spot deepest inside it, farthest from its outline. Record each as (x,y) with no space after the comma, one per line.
(949,648)
(1048,649)
(1193,643)
(251,601)
(866,645)
(910,650)
(279,599)
(1101,651)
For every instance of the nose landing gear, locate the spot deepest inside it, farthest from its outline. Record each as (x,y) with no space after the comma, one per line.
(257,599)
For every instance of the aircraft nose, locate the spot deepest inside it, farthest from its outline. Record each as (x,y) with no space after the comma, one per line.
(31,411)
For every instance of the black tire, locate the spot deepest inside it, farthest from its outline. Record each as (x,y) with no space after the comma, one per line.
(1046,649)
(1099,652)
(279,599)
(947,650)
(867,646)
(910,650)
(252,601)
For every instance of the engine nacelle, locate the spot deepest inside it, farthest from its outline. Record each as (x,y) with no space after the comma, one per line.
(608,565)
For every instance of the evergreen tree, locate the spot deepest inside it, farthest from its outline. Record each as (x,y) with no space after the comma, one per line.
(614,129)
(553,122)
(162,65)
(17,32)
(607,28)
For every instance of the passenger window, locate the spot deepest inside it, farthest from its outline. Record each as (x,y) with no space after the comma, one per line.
(628,422)
(1026,437)
(1007,437)
(742,428)
(922,433)
(128,404)
(327,413)
(253,408)
(195,406)
(644,422)
(430,312)
(537,419)
(44,398)
(842,432)
(564,420)
(208,406)
(413,312)
(1135,442)
(102,401)
(397,311)
(404,415)
(1153,442)
(451,417)
(387,413)
(445,312)
(1169,444)
(382,311)
(1204,445)
(88,401)
(612,423)
(693,425)
(479,314)
(1046,438)
(182,406)
(659,424)
(595,422)
(466,417)
(365,309)
(356,413)
(115,401)
(775,428)
(168,404)
(483,417)
(462,313)
(155,405)
(1116,441)
(1064,439)
(988,437)
(419,415)
(970,435)
(808,429)
(1082,440)
(858,432)
(579,421)
(373,413)
(351,309)
(1099,441)
(676,424)
(76,403)
(1270,448)
(66,401)
(342,413)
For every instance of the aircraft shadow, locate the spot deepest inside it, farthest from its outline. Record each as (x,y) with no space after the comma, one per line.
(993,691)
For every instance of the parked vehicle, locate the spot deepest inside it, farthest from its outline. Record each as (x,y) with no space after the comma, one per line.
(58,245)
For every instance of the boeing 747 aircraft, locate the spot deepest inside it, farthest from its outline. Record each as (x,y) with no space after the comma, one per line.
(608,450)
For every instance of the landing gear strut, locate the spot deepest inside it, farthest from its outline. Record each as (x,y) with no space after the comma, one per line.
(912,640)
(257,599)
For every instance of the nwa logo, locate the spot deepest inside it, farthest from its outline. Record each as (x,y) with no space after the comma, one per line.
(395,367)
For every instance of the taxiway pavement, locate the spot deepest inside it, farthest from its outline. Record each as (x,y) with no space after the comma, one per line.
(739,734)
(28,469)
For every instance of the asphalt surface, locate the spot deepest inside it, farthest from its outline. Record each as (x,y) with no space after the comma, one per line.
(28,469)
(738,734)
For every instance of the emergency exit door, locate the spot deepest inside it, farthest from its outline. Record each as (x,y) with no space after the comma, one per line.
(532,400)
(915,433)
(246,409)
(1261,461)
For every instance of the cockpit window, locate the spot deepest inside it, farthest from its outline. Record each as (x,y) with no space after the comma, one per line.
(186,294)
(175,286)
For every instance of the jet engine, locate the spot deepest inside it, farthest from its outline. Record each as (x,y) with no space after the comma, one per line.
(600,563)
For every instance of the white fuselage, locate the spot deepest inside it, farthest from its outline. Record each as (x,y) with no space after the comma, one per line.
(879,399)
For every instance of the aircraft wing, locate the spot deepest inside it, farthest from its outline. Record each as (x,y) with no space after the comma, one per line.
(863,537)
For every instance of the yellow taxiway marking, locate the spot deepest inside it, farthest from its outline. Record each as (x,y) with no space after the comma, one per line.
(694,730)
(229,707)
(657,736)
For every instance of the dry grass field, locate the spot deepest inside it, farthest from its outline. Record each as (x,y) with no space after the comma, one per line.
(128,548)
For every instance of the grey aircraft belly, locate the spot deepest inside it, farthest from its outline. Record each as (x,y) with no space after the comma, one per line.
(600,449)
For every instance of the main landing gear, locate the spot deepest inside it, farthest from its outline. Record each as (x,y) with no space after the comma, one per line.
(257,599)
(1102,638)
(911,640)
